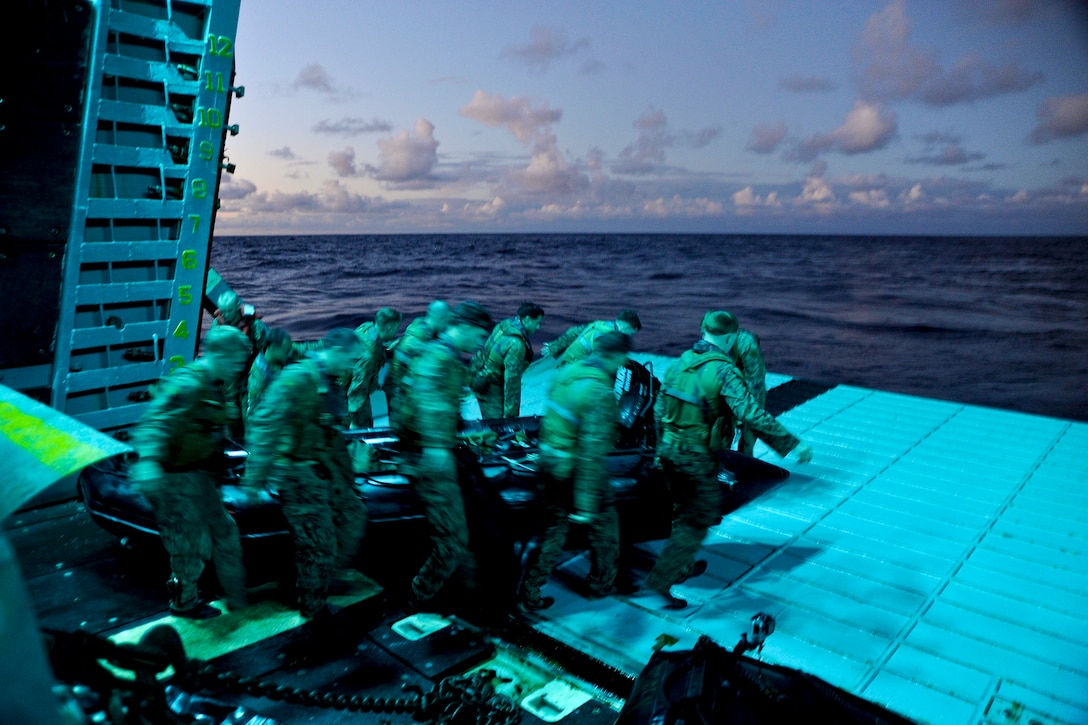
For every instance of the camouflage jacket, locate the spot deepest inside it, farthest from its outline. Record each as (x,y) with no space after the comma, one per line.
(261,375)
(502,361)
(408,346)
(582,345)
(184,427)
(364,376)
(255,330)
(432,390)
(707,421)
(749,359)
(578,430)
(300,419)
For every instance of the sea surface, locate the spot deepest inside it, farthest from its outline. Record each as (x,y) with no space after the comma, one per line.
(999,322)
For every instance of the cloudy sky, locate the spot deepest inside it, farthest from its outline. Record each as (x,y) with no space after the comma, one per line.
(728,116)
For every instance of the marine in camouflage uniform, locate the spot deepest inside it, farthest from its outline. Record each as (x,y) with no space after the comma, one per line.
(498,366)
(748,358)
(181,440)
(576,435)
(373,337)
(266,366)
(297,447)
(232,312)
(428,424)
(418,333)
(577,342)
(702,399)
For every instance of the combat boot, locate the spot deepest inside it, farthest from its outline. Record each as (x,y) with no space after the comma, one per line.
(312,602)
(184,601)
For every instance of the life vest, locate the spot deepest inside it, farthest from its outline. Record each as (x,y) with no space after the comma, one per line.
(198,437)
(694,412)
(488,362)
(582,347)
(563,409)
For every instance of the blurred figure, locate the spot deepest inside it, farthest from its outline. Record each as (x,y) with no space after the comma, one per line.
(498,366)
(702,398)
(428,422)
(576,435)
(419,332)
(266,366)
(373,337)
(181,441)
(577,342)
(232,312)
(297,448)
(748,357)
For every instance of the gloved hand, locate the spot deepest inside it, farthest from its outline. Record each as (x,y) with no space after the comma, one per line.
(545,350)
(803,451)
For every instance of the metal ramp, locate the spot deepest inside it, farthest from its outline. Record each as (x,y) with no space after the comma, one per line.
(933,558)
(108,238)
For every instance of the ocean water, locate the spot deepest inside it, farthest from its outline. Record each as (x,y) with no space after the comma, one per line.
(999,322)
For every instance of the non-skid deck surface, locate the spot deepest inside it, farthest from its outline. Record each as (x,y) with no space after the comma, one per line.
(933,558)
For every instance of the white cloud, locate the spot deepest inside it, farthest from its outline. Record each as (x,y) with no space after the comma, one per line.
(408,156)
(517,115)
(679,207)
(330,198)
(867,127)
(485,209)
(889,67)
(746,200)
(913,196)
(816,192)
(874,198)
(547,173)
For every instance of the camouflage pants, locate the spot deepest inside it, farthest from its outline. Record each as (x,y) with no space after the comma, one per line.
(747,441)
(692,476)
(491,402)
(444,507)
(327,520)
(360,413)
(195,528)
(604,541)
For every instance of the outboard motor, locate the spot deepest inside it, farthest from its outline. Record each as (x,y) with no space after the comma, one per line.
(637,389)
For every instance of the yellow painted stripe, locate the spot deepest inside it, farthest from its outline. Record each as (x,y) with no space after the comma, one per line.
(52,447)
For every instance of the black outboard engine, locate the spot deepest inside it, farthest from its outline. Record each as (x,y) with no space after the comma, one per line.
(637,389)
